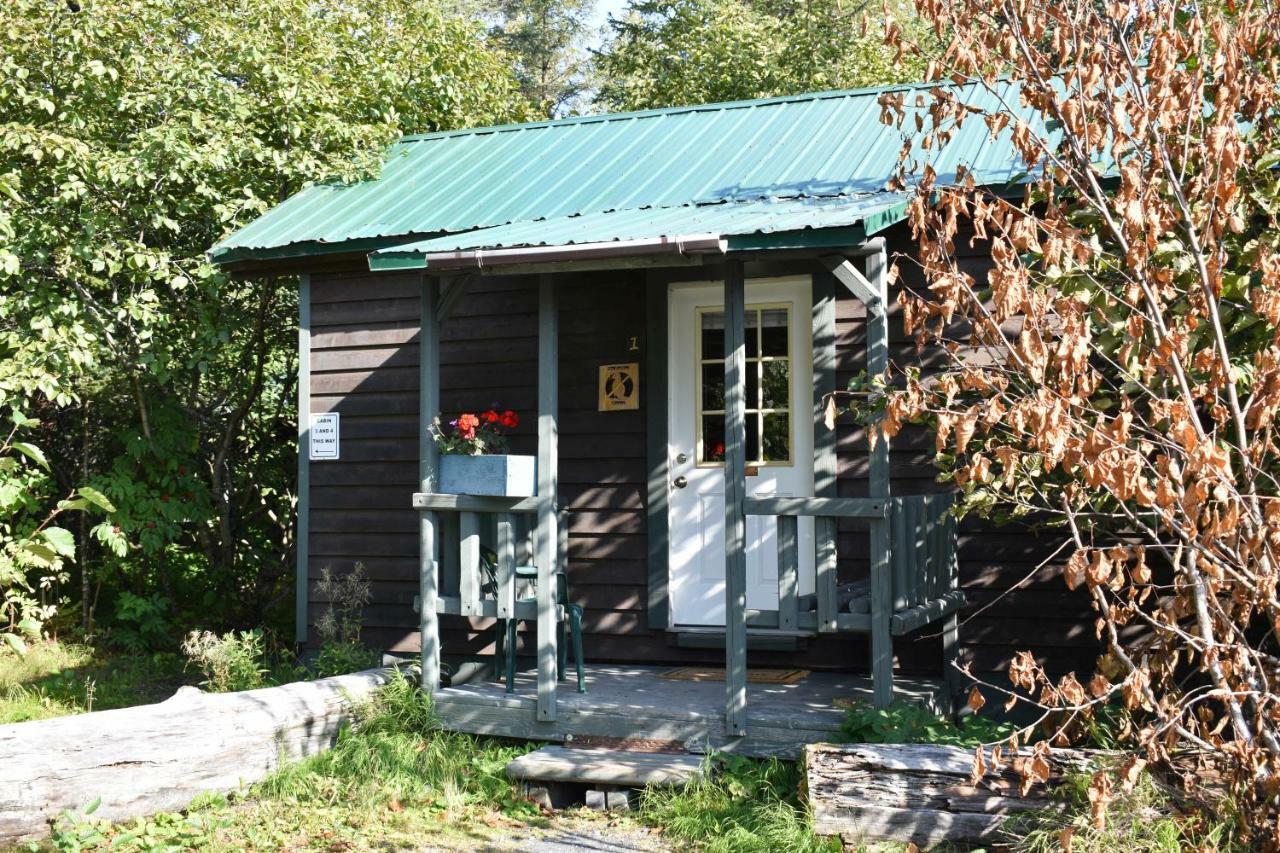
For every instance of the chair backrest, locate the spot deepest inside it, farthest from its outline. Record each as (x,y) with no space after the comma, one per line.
(488,573)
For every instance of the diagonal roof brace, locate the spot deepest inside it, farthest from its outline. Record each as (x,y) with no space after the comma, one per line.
(871,293)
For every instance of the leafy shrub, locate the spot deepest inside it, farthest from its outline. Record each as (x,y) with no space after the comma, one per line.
(230,662)
(339,658)
(142,622)
(339,626)
(35,552)
(906,722)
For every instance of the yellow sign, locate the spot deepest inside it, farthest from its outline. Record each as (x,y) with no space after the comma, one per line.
(619,387)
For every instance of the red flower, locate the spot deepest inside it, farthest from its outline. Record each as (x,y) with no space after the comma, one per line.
(467,424)
(509,419)
(490,417)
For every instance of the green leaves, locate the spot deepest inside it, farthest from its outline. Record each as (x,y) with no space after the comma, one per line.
(674,52)
(32,452)
(96,498)
(168,131)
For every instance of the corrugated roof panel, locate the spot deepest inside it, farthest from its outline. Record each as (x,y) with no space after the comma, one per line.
(824,144)
(726,219)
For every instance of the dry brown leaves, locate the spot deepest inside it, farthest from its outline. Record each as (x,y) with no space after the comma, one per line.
(1118,366)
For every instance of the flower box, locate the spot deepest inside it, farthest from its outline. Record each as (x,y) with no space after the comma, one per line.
(494,474)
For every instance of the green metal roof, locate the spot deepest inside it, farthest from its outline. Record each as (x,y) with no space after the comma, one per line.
(809,146)
(759,223)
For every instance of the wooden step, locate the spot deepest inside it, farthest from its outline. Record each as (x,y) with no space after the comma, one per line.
(605,767)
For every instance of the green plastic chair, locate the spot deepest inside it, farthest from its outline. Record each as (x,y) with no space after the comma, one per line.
(505,643)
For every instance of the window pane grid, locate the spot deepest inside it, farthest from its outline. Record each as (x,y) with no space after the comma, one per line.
(768,381)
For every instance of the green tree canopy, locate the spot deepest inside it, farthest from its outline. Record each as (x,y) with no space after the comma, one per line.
(545,39)
(676,52)
(134,134)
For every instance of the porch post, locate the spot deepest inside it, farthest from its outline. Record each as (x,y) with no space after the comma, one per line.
(735,520)
(548,481)
(428,409)
(878,487)
(302,531)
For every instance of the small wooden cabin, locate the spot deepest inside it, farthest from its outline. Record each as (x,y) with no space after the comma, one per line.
(665,298)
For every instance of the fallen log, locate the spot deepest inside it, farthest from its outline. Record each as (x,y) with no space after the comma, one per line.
(919,793)
(154,758)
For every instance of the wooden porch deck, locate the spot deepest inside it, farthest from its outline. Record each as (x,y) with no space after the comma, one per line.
(634,702)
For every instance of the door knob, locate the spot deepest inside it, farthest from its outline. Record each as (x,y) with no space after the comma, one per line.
(681,481)
(682,458)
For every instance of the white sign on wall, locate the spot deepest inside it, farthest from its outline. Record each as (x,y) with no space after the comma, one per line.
(324,436)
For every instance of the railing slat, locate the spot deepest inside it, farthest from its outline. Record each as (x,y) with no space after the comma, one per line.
(469,563)
(506,565)
(826,587)
(915,551)
(788,571)
(898,558)
(938,545)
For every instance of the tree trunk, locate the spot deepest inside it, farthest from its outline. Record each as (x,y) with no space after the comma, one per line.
(155,758)
(918,793)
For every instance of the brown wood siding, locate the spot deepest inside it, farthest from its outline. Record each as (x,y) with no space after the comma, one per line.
(364,365)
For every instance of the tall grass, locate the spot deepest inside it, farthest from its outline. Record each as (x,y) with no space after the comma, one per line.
(740,805)
(397,753)
(1143,819)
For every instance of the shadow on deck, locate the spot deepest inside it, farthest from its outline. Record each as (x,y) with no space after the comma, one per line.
(633,702)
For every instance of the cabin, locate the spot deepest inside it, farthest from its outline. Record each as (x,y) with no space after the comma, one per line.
(666,299)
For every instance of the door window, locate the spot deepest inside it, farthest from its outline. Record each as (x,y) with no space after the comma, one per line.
(768,385)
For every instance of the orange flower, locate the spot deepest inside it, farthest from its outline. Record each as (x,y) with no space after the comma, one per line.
(467,424)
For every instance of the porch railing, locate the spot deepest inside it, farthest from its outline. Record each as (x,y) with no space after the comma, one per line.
(919,587)
(507,525)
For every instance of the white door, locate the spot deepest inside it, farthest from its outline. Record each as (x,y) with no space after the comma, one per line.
(779,393)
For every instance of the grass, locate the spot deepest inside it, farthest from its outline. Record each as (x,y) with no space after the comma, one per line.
(743,805)
(55,678)
(1143,819)
(395,781)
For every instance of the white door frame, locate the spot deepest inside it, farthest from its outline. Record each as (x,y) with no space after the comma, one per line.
(694,511)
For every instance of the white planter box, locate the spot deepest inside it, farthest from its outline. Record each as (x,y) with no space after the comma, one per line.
(500,474)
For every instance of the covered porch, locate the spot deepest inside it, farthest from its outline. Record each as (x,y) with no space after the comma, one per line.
(912,580)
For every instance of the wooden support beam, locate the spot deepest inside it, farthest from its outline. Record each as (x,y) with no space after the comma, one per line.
(548,457)
(735,519)
(862,286)
(428,465)
(474,503)
(302,530)
(654,390)
(835,507)
(825,464)
(882,592)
